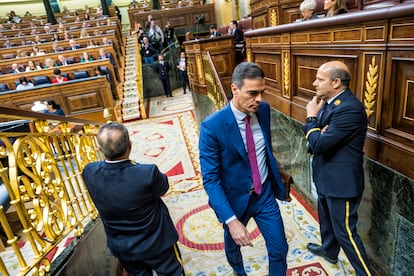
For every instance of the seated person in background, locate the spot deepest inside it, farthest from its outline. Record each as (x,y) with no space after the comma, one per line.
(37,40)
(91,44)
(103,55)
(307,9)
(15,69)
(36,52)
(334,7)
(31,66)
(55,37)
(58,77)
(99,71)
(24,84)
(63,61)
(84,33)
(47,29)
(213,31)
(55,48)
(72,45)
(49,63)
(53,108)
(21,54)
(85,57)
(7,44)
(106,41)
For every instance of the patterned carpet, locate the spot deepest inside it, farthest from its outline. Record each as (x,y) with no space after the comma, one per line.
(170,141)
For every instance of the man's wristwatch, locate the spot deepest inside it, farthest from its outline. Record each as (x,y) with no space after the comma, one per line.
(311,119)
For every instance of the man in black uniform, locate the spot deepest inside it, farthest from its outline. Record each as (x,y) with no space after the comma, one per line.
(163,68)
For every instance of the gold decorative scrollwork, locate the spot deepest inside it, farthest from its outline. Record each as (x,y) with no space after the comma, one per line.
(286,76)
(273,18)
(371,85)
(249,55)
(200,71)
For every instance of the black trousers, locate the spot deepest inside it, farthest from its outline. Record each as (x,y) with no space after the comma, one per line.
(167,86)
(168,263)
(184,79)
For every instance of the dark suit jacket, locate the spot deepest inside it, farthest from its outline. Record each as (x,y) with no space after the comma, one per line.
(238,35)
(225,166)
(338,153)
(127,195)
(162,69)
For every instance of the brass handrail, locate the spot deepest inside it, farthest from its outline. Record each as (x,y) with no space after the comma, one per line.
(215,90)
(42,174)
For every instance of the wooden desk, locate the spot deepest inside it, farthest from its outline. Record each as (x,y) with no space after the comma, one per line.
(223,55)
(84,99)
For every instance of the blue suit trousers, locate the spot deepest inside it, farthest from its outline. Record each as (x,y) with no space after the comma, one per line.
(265,211)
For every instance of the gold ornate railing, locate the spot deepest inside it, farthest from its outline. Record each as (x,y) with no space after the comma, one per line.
(214,86)
(42,174)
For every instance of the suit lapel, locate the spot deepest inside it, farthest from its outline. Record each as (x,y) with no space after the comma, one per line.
(232,129)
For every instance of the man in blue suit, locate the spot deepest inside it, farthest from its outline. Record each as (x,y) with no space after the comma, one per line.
(138,226)
(335,128)
(238,187)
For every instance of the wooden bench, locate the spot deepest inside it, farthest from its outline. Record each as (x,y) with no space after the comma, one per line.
(63,45)
(83,99)
(11,79)
(53,28)
(5,65)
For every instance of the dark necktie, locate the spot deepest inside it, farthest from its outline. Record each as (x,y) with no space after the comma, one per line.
(251,152)
(323,111)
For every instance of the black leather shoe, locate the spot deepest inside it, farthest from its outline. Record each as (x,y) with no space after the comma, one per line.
(317,250)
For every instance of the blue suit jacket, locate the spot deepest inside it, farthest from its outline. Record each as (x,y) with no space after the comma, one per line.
(127,195)
(338,153)
(225,167)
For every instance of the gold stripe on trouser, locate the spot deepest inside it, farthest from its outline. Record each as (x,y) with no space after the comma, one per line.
(348,229)
(177,254)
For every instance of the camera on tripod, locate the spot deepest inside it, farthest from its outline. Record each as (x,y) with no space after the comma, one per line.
(200,19)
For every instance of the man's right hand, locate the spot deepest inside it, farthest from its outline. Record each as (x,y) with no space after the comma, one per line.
(239,233)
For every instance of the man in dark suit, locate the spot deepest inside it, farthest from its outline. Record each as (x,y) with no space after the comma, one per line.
(15,68)
(138,226)
(163,68)
(240,173)
(238,37)
(335,128)
(213,31)
(103,55)
(63,61)
(72,45)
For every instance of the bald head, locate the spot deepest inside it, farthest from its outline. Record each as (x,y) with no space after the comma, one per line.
(332,78)
(113,140)
(337,70)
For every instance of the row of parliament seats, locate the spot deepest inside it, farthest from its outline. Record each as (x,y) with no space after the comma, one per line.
(47,48)
(112,29)
(40,29)
(27,20)
(6,64)
(72,71)
(244,24)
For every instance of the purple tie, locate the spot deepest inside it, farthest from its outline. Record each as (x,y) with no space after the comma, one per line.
(251,151)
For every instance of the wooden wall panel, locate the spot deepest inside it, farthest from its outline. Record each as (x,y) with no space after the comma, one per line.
(378,49)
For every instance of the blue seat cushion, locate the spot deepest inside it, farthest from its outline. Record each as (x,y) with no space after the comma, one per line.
(80,74)
(37,80)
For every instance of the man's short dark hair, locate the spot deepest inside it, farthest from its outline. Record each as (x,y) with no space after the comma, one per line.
(234,22)
(341,74)
(246,70)
(213,26)
(113,148)
(56,72)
